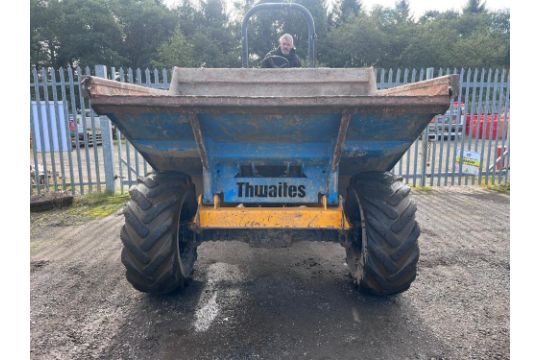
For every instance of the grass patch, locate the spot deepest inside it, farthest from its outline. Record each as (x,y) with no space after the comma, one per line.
(34,246)
(99,204)
(422,188)
(87,189)
(495,186)
(86,207)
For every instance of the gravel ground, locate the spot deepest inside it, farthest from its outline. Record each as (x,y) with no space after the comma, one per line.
(287,303)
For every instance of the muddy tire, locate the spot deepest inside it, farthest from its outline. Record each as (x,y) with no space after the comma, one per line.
(382,246)
(159,248)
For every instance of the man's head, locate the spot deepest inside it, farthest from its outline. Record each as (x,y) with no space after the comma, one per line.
(286,43)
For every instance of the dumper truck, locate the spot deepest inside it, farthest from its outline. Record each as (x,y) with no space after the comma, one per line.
(269,157)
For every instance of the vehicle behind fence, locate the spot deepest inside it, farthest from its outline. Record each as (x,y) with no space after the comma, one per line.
(75,150)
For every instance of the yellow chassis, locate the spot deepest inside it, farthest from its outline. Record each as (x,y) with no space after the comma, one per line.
(322,218)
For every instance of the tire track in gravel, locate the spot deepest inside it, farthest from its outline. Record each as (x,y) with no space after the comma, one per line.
(496,210)
(86,239)
(102,319)
(452,211)
(95,244)
(478,201)
(114,249)
(81,332)
(458,203)
(95,260)
(84,277)
(431,214)
(458,218)
(464,269)
(478,242)
(48,246)
(68,234)
(432,224)
(457,302)
(470,252)
(78,261)
(442,227)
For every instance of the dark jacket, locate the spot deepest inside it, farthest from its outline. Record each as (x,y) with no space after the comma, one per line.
(294,60)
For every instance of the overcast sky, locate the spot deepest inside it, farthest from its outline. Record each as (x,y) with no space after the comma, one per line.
(418,7)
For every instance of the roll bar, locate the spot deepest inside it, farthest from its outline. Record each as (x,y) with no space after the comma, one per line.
(278,6)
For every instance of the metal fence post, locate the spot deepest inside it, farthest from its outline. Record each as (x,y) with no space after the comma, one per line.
(430,73)
(425,139)
(106,139)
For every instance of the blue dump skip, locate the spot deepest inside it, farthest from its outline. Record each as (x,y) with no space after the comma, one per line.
(374,142)
(271,149)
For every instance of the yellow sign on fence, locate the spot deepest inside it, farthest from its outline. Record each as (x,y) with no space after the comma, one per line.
(470,161)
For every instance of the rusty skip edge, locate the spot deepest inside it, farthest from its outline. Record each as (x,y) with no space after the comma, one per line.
(92,86)
(342,133)
(444,85)
(195,126)
(436,92)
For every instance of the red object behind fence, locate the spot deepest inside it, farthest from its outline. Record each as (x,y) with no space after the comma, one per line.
(492,121)
(500,161)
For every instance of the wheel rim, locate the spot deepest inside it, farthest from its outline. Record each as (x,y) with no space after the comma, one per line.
(357,245)
(185,238)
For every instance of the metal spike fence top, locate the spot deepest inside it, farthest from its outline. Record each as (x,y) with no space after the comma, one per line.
(85,132)
(36,131)
(481,110)
(94,133)
(66,117)
(49,126)
(75,124)
(60,126)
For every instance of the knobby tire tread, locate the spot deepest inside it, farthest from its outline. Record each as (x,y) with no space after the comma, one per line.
(386,263)
(149,234)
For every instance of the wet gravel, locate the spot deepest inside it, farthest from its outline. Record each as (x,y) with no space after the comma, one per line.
(284,303)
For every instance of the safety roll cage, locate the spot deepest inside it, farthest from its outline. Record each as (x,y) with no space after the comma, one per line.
(279,6)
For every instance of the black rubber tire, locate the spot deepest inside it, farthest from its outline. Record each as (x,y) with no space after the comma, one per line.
(382,246)
(159,249)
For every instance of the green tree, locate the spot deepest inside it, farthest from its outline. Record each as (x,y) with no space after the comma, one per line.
(403,11)
(70,32)
(479,50)
(212,35)
(451,39)
(177,51)
(43,43)
(389,37)
(430,45)
(343,11)
(350,8)
(145,25)
(357,43)
(474,7)
(142,33)
(89,33)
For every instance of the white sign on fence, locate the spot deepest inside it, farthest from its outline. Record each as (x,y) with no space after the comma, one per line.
(470,161)
(51,118)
